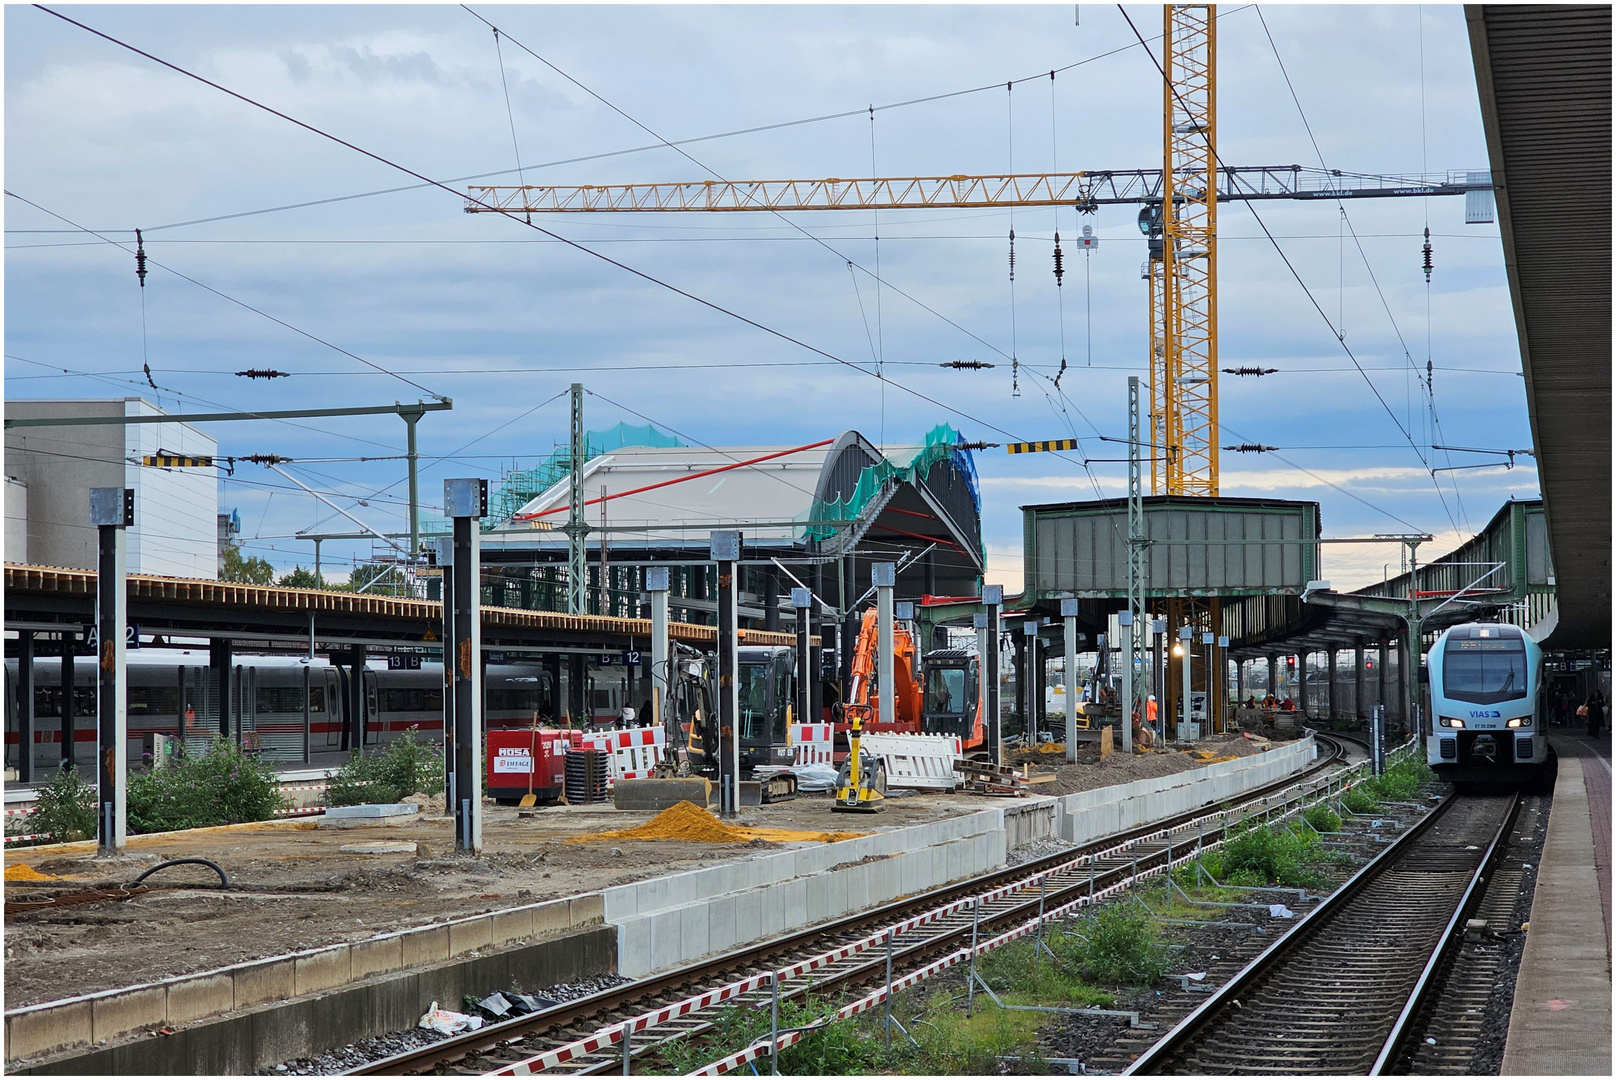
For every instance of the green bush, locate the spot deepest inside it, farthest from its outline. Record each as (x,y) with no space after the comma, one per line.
(1122,946)
(1023,975)
(64,808)
(1276,856)
(221,787)
(1360,800)
(406,767)
(1322,818)
(1402,781)
(846,1048)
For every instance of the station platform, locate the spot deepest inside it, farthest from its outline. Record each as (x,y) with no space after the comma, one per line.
(1560,1024)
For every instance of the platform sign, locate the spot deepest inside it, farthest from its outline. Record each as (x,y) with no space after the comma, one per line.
(92,637)
(404,662)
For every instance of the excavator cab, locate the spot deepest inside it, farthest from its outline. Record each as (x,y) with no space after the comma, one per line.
(953,696)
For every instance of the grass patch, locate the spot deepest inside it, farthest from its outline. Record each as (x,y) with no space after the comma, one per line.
(221,787)
(960,1045)
(406,767)
(1118,944)
(847,1048)
(1360,800)
(1322,818)
(1402,781)
(1273,856)
(1023,975)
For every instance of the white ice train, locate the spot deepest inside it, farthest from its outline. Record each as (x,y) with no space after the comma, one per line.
(1487,706)
(288,706)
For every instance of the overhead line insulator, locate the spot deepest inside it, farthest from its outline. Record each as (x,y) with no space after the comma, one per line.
(1250,448)
(264,373)
(966,365)
(1250,371)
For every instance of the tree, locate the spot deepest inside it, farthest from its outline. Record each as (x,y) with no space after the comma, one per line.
(251,570)
(300,578)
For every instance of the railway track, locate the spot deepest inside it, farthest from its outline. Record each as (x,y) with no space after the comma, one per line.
(586,1036)
(1340,993)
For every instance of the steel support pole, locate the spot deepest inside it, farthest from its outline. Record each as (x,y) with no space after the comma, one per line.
(1222,704)
(726,552)
(1069,614)
(111,512)
(656,583)
(576,529)
(1031,665)
(1380,691)
(1358,679)
(1209,667)
(802,602)
(411,417)
(1331,697)
(25,706)
(68,729)
(1301,681)
(1186,640)
(884,576)
(1125,623)
(992,597)
(1158,629)
(445,560)
(466,500)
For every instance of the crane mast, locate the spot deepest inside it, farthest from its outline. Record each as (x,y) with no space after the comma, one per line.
(1189,271)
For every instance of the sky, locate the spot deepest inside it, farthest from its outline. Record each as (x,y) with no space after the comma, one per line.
(374,298)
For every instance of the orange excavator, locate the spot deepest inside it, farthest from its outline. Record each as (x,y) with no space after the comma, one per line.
(863,690)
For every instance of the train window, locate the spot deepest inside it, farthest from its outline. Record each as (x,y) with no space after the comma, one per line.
(412,700)
(603,700)
(48,701)
(316,698)
(505,699)
(161,701)
(280,699)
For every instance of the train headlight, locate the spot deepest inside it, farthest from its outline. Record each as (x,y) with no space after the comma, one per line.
(1452,721)
(1521,722)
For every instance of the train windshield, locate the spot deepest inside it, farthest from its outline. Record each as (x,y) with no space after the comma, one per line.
(1484,671)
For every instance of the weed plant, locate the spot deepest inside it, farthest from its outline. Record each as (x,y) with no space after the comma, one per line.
(1360,800)
(1265,855)
(1402,781)
(846,1048)
(64,808)
(221,787)
(1023,975)
(406,767)
(1119,944)
(1322,818)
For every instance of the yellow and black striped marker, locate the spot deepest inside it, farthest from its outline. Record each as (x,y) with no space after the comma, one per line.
(171,461)
(1040,447)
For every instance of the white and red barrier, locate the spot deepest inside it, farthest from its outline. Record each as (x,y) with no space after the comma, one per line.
(811,743)
(920,762)
(631,754)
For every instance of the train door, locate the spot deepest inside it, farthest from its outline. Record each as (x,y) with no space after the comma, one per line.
(330,708)
(372,719)
(13,724)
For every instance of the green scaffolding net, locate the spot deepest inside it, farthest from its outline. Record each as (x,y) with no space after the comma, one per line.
(942,444)
(519,488)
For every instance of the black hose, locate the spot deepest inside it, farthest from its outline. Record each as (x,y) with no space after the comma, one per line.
(224,882)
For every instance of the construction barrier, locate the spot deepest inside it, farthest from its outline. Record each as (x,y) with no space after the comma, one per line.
(812,743)
(921,762)
(632,754)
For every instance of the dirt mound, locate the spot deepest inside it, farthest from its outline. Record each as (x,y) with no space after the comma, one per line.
(686,821)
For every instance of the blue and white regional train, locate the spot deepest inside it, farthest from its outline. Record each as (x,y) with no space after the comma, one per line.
(1488,709)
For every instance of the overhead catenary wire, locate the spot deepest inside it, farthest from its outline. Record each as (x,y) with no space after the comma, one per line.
(226,296)
(1346,219)
(735,133)
(643,275)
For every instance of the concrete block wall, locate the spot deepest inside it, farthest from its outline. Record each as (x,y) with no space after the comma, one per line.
(666,922)
(89,1019)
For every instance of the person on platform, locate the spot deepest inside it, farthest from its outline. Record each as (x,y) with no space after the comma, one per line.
(1596,713)
(1287,705)
(1150,710)
(1251,701)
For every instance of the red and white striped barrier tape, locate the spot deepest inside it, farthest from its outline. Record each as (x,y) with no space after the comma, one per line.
(29,836)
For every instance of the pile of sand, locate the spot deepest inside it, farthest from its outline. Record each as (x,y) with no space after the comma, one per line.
(686,821)
(24,872)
